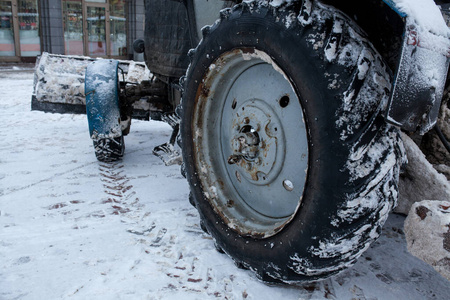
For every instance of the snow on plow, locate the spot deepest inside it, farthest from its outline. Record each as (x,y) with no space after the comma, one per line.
(59,83)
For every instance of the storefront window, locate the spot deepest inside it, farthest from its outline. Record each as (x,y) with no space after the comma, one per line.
(6,30)
(96,29)
(73,27)
(28,17)
(118,36)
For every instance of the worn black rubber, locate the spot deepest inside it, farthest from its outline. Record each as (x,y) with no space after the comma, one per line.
(109,149)
(354,156)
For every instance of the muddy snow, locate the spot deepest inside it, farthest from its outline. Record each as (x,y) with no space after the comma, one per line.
(74,228)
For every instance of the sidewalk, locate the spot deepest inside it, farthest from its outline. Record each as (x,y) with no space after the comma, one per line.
(16,67)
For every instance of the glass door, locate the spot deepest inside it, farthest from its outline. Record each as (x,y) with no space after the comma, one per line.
(97,27)
(118,34)
(19,29)
(73,27)
(30,44)
(7,46)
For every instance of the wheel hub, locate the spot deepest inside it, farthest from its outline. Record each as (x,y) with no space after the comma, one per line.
(245,145)
(257,143)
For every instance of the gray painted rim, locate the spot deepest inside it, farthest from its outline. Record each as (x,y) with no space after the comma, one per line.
(250,142)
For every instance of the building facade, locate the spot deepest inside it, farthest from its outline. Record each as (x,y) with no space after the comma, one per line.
(96,28)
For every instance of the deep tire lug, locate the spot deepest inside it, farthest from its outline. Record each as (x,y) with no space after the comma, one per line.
(191,54)
(218,248)
(191,199)
(245,7)
(225,13)
(205,31)
(240,265)
(203,227)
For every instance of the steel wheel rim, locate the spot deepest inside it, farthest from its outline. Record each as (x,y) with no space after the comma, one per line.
(250,143)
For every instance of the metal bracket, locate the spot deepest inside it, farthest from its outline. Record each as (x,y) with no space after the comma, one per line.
(167,151)
(420,81)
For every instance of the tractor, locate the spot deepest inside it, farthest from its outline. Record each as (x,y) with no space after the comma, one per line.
(286,118)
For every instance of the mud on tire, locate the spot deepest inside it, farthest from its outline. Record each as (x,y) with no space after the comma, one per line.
(311,212)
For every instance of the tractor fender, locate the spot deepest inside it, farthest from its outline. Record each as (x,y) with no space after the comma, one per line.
(419,81)
(423,66)
(102,99)
(413,38)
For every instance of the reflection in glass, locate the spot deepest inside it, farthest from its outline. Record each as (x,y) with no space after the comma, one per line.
(30,44)
(6,30)
(73,26)
(118,36)
(96,30)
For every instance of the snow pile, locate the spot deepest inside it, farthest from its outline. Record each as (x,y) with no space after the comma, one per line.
(60,79)
(420,180)
(427,229)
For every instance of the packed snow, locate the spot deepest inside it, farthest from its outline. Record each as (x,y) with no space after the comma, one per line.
(74,228)
(60,78)
(425,14)
(427,230)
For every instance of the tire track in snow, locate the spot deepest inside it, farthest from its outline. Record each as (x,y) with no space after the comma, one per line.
(120,195)
(179,258)
(155,233)
(120,199)
(158,241)
(175,254)
(56,175)
(48,179)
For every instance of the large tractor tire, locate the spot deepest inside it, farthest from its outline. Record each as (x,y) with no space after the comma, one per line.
(290,163)
(103,109)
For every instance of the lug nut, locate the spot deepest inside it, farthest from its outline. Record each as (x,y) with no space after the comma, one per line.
(288,185)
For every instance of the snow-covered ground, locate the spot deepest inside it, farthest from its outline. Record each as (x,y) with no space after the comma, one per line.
(74,228)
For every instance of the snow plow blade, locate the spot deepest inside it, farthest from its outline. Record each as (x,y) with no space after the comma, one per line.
(59,83)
